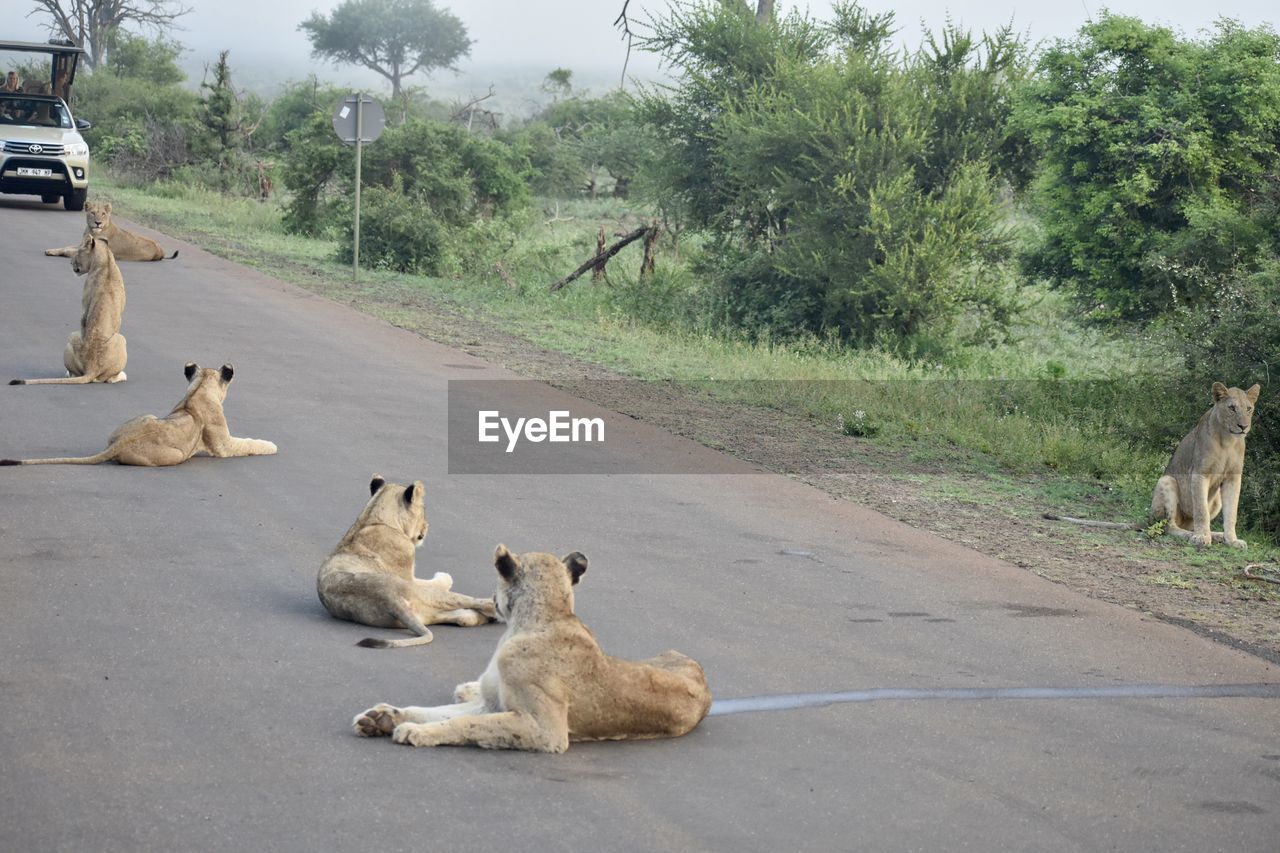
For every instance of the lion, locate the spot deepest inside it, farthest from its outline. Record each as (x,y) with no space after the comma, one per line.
(195,425)
(548,683)
(369,577)
(1203,477)
(127,246)
(97,352)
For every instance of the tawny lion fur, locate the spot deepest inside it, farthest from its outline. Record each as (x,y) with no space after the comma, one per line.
(127,246)
(1203,477)
(548,683)
(369,577)
(97,352)
(196,425)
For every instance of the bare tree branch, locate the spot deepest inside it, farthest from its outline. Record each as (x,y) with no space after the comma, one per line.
(623,23)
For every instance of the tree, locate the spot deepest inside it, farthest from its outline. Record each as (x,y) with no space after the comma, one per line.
(1159,162)
(92,23)
(844,192)
(138,58)
(395,38)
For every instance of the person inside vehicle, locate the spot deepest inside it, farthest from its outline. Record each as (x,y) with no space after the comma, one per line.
(11,83)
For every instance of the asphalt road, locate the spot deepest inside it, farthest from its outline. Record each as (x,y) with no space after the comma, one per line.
(169,681)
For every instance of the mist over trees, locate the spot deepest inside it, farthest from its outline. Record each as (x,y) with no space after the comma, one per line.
(394,38)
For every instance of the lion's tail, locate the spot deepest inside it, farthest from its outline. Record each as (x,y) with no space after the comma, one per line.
(171,257)
(104,456)
(68,380)
(406,617)
(1089,522)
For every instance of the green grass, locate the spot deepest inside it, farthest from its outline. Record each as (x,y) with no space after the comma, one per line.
(1027,408)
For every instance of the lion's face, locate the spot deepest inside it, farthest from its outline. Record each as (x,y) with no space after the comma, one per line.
(82,260)
(402,507)
(97,215)
(1233,408)
(534,579)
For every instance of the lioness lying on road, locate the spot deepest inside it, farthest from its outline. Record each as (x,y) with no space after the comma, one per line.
(195,425)
(97,352)
(548,682)
(127,246)
(1203,477)
(369,577)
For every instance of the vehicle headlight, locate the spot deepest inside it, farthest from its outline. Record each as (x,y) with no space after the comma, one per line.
(78,149)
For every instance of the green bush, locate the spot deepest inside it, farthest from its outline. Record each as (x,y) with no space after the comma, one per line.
(397,232)
(1159,162)
(851,189)
(449,179)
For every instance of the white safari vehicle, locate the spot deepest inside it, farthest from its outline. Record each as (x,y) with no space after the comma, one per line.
(41,150)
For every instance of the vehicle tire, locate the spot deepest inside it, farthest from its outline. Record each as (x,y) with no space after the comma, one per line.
(75,199)
(50,198)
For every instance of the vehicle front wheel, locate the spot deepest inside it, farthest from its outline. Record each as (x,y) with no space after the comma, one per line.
(75,199)
(50,198)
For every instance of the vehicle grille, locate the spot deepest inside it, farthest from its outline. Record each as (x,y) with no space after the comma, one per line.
(47,149)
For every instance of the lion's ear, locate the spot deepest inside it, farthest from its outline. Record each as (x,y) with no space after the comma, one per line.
(412,492)
(227,372)
(1219,391)
(376,483)
(1253,393)
(577,564)
(106,207)
(190,369)
(505,563)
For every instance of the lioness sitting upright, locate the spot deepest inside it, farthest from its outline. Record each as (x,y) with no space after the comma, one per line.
(97,352)
(1203,477)
(548,682)
(369,577)
(127,246)
(195,425)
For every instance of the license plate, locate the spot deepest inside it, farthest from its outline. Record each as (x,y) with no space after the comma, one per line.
(24,172)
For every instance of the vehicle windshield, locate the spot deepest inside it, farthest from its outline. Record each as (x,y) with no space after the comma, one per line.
(33,112)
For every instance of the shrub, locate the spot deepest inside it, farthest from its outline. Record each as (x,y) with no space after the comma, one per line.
(1157,151)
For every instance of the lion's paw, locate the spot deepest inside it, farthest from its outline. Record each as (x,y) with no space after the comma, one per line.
(415,734)
(468,691)
(1200,540)
(1237,543)
(379,721)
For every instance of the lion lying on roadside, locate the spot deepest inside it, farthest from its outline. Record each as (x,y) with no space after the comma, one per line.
(97,352)
(195,425)
(126,246)
(1203,477)
(369,577)
(548,682)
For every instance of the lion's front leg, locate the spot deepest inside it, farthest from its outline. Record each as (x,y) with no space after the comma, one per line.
(382,719)
(1200,515)
(1230,504)
(505,730)
(221,443)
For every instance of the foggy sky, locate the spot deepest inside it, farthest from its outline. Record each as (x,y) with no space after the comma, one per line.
(578,34)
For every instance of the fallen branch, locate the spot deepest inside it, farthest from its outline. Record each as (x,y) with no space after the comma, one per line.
(601,258)
(1248,575)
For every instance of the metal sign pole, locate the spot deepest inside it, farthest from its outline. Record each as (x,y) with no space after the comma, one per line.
(355,253)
